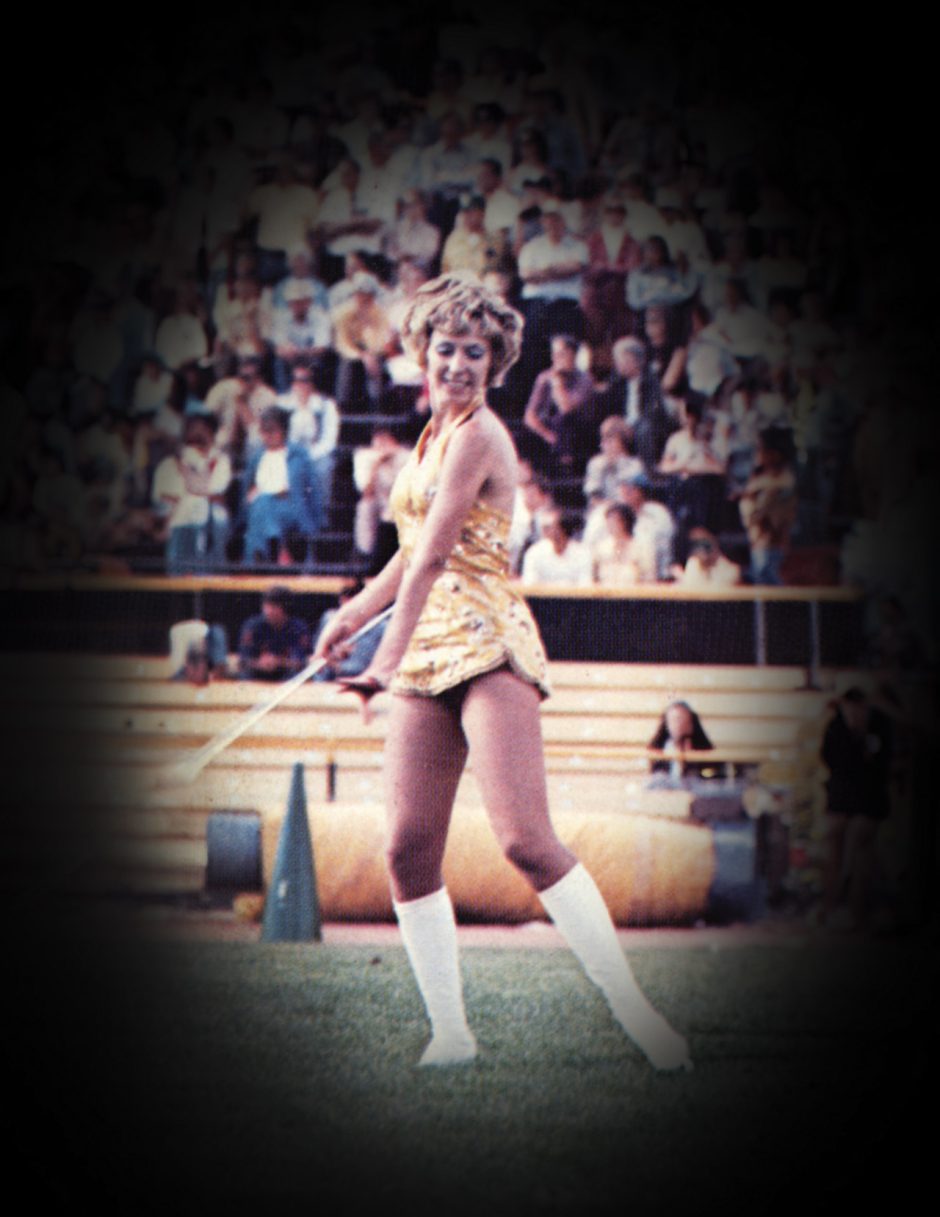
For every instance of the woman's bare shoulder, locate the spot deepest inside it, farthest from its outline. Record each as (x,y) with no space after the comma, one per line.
(485,430)
(486,442)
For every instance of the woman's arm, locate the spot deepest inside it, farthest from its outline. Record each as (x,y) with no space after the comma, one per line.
(674,370)
(532,418)
(375,596)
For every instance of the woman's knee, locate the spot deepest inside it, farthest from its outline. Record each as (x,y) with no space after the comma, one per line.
(413,856)
(541,858)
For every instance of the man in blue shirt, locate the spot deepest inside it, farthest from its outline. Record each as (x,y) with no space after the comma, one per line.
(273,644)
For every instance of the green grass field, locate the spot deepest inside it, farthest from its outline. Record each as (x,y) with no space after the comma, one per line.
(238,1078)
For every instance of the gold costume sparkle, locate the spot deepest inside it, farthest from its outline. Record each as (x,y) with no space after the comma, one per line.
(474,619)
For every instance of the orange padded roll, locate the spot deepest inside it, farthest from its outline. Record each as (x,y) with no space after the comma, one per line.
(650,870)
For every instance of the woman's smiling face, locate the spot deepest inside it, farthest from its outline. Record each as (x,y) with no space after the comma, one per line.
(458,367)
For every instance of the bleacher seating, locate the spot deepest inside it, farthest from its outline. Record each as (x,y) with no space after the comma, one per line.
(118,719)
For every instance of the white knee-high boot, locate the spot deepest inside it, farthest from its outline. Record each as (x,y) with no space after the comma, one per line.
(578,910)
(429,931)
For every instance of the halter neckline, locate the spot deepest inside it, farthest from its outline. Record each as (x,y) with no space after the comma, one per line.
(426,438)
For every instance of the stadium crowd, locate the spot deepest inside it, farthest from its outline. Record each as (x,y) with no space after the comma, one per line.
(217,381)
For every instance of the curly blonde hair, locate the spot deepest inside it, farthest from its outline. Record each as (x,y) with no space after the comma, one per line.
(457,304)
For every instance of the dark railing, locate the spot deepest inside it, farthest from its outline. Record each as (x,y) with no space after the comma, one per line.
(810,627)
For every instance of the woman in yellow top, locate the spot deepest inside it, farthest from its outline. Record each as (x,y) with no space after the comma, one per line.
(463,660)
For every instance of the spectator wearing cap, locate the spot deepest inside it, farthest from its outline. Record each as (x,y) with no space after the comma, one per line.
(363,337)
(238,402)
(300,271)
(613,251)
(469,246)
(301,330)
(189,493)
(283,508)
(635,395)
(274,643)
(654,529)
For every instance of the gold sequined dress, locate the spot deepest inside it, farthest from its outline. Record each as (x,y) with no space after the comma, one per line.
(474,619)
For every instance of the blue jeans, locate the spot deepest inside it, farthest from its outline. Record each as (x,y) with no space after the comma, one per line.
(766,566)
(192,548)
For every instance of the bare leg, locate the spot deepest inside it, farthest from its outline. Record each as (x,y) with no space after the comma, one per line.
(501,722)
(425,755)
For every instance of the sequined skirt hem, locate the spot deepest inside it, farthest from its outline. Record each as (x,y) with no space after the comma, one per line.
(433,688)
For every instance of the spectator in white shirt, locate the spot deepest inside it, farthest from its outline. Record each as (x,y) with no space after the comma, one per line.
(375,469)
(559,557)
(502,206)
(285,210)
(345,224)
(745,329)
(413,235)
(706,565)
(189,489)
(552,268)
(533,503)
(153,385)
(313,420)
(654,529)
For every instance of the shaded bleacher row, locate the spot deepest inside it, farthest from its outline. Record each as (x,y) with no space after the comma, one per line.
(112,722)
